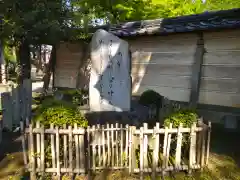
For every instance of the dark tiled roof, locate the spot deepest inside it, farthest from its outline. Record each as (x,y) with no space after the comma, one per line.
(199,22)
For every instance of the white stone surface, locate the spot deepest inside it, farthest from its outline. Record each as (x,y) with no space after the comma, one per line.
(110,79)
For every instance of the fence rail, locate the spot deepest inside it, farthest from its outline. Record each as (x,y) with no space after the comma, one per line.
(77,150)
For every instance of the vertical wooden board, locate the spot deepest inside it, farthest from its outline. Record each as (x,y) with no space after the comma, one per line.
(82,151)
(203,148)
(38,145)
(42,149)
(65,158)
(165,149)
(141,153)
(112,145)
(77,147)
(169,139)
(58,152)
(155,150)
(108,146)
(130,150)
(70,146)
(208,141)
(88,152)
(103,146)
(126,158)
(197,71)
(94,147)
(134,146)
(99,144)
(178,148)
(145,146)
(28,92)
(7,110)
(53,148)
(117,145)
(192,151)
(32,153)
(121,145)
(15,100)
(23,143)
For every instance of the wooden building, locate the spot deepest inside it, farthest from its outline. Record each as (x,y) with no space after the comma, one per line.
(192,59)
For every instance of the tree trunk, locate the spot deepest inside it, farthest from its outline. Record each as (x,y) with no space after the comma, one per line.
(49,70)
(24,71)
(3,64)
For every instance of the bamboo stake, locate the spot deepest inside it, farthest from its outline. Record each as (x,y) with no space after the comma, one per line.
(31,153)
(42,150)
(53,148)
(208,141)
(117,145)
(112,137)
(103,147)
(23,145)
(70,140)
(108,146)
(155,150)
(77,147)
(38,146)
(141,153)
(65,160)
(121,148)
(178,148)
(58,153)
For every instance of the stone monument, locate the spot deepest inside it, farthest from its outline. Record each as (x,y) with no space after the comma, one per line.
(110,76)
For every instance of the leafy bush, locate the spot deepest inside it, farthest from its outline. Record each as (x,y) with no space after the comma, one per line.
(184,116)
(59,112)
(150,97)
(74,95)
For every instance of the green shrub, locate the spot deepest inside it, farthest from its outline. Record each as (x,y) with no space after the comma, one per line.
(150,97)
(59,112)
(75,95)
(184,116)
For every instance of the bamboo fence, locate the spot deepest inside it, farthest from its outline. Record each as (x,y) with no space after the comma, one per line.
(76,150)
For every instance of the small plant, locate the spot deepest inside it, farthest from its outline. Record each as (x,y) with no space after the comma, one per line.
(151,97)
(186,117)
(59,112)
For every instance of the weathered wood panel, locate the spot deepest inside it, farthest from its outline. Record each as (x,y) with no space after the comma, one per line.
(222,40)
(68,61)
(218,98)
(161,80)
(163,69)
(171,43)
(221,71)
(177,94)
(162,58)
(222,58)
(220,84)
(163,64)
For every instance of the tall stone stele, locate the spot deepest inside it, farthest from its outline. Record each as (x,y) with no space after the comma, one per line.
(110,77)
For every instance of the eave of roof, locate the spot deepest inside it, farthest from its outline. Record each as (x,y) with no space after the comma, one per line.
(225,19)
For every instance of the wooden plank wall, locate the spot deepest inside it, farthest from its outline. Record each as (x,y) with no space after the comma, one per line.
(68,60)
(164,64)
(220,82)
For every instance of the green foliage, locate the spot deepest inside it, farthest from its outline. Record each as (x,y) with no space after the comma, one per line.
(59,112)
(184,116)
(150,97)
(76,95)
